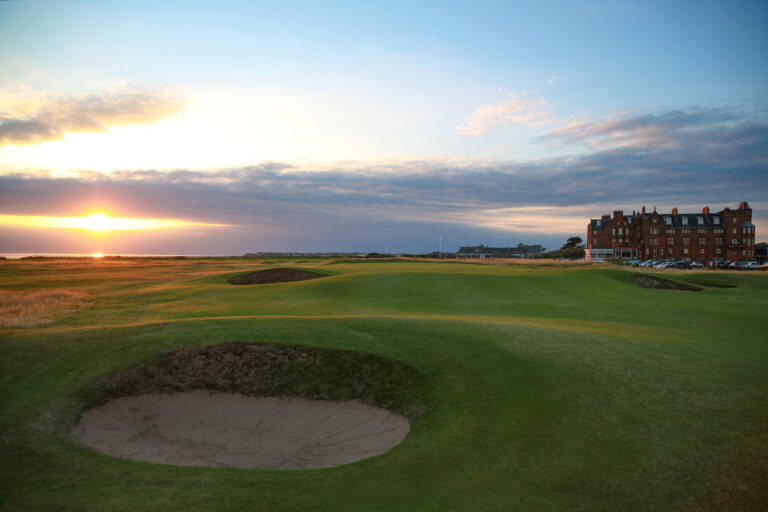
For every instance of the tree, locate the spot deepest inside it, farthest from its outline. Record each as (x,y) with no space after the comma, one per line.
(571,249)
(572,243)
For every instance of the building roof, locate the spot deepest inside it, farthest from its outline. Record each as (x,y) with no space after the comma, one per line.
(681,220)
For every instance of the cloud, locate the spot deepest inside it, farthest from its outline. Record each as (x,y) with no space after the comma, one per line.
(515,109)
(53,119)
(673,129)
(554,79)
(706,161)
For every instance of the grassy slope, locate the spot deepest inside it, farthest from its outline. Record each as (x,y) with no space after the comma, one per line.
(551,388)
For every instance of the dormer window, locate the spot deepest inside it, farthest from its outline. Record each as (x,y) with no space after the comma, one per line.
(668,220)
(700,220)
(685,220)
(716,220)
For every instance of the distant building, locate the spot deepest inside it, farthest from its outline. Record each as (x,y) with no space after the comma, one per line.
(483,252)
(728,234)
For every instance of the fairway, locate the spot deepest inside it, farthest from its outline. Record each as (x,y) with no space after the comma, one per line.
(545,387)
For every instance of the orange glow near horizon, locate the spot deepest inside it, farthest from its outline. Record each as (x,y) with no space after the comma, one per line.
(97,255)
(99,222)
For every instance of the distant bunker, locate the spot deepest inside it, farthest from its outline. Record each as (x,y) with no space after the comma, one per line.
(659,283)
(275,275)
(255,406)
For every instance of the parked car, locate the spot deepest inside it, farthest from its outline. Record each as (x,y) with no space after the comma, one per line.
(697,264)
(682,264)
(738,265)
(753,265)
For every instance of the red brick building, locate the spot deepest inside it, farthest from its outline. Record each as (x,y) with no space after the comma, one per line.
(727,234)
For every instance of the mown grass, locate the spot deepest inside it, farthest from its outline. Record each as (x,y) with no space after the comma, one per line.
(548,388)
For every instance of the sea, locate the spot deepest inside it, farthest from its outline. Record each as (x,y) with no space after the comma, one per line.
(19,255)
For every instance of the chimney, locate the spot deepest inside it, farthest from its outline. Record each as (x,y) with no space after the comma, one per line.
(674,211)
(617,214)
(705,211)
(643,210)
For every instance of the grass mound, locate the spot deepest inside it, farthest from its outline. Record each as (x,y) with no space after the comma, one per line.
(712,281)
(274,275)
(273,370)
(659,283)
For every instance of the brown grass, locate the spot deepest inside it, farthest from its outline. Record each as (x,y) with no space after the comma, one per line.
(29,308)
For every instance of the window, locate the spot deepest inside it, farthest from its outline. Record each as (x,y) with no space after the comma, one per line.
(670,240)
(669,251)
(686,230)
(718,251)
(734,241)
(685,251)
(702,240)
(743,252)
(655,221)
(701,251)
(733,220)
(716,220)
(718,230)
(613,231)
(734,231)
(685,220)
(701,231)
(619,231)
(700,219)
(594,232)
(655,231)
(686,240)
(719,240)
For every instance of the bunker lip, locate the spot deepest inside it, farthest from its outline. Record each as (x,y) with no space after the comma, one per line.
(274,275)
(204,428)
(659,283)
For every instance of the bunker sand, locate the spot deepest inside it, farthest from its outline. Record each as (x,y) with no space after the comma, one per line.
(203,428)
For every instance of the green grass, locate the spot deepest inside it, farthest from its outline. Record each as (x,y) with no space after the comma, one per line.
(545,389)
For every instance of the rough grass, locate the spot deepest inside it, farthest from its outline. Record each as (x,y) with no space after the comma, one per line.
(30,308)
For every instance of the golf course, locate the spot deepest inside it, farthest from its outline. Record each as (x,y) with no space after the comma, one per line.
(534,386)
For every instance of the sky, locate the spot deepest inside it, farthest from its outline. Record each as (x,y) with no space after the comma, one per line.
(220,128)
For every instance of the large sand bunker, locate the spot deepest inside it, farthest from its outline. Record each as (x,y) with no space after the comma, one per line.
(275,275)
(203,428)
(251,405)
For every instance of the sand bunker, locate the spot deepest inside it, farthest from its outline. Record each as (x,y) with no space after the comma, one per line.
(203,428)
(275,275)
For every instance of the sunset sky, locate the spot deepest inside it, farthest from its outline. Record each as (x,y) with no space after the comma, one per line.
(230,127)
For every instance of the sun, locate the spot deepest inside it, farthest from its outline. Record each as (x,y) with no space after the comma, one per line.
(97,255)
(98,222)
